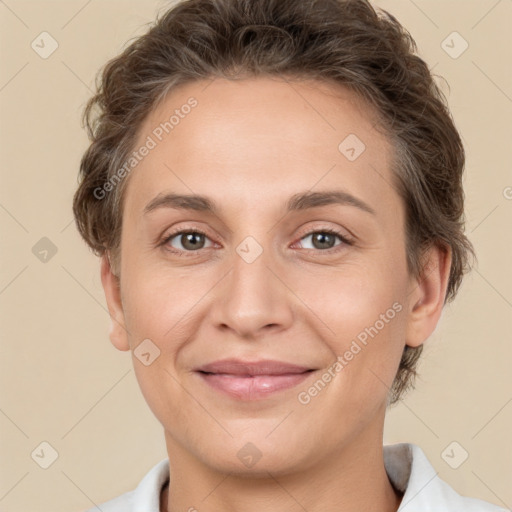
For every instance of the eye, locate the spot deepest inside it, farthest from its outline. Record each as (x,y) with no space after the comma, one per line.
(324,239)
(187,241)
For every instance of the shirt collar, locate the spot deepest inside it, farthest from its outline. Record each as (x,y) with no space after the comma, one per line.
(406,465)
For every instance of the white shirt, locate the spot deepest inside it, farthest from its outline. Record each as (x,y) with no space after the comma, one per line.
(406,465)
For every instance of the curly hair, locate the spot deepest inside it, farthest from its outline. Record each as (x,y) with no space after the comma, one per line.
(347,42)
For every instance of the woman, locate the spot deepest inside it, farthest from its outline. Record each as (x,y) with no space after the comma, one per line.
(274,188)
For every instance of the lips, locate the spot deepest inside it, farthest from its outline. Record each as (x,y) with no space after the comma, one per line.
(252,380)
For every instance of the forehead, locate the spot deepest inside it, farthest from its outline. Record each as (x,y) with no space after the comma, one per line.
(261,137)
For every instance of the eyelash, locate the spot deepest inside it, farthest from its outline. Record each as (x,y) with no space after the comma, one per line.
(180,253)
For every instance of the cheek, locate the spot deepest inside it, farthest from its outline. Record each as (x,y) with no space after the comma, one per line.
(361,311)
(160,307)
(351,297)
(158,299)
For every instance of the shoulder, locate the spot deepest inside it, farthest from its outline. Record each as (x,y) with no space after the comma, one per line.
(410,471)
(146,496)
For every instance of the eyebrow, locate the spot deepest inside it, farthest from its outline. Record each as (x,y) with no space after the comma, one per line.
(297,202)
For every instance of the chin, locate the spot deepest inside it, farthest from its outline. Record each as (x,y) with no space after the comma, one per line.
(255,460)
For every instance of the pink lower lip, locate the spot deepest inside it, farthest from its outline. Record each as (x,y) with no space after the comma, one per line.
(252,388)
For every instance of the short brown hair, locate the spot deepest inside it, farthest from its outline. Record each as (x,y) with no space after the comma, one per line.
(347,42)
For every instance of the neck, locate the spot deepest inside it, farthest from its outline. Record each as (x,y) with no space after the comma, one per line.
(353,479)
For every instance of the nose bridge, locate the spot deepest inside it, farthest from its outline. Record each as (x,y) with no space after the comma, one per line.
(252,298)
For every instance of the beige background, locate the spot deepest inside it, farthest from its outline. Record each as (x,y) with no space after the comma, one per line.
(62,381)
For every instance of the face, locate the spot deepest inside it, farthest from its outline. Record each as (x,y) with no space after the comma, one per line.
(294,253)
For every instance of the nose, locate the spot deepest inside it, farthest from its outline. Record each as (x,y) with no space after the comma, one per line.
(253,298)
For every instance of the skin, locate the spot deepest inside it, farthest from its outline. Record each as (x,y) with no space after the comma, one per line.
(249,146)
